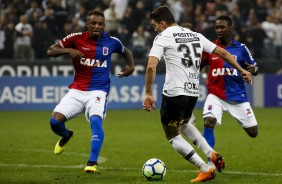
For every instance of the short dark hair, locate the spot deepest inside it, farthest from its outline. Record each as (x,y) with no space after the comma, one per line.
(225,18)
(96,12)
(162,13)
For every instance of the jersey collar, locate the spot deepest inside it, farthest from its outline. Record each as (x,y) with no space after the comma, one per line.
(233,43)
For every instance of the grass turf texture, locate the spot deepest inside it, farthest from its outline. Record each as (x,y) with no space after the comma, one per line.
(131,138)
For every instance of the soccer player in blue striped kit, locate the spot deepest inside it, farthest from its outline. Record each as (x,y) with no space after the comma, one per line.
(91,57)
(226,89)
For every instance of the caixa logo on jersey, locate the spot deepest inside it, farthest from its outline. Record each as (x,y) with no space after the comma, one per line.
(224,71)
(93,62)
(189,85)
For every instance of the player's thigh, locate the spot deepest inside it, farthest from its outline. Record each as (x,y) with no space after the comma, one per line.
(176,110)
(243,113)
(214,108)
(96,104)
(190,103)
(71,104)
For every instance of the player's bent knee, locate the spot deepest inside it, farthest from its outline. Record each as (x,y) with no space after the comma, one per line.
(54,123)
(59,117)
(252,131)
(209,122)
(170,135)
(171,132)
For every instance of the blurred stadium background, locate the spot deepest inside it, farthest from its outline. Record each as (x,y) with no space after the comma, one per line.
(32,81)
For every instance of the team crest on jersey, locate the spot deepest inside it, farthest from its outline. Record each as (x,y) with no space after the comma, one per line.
(105,51)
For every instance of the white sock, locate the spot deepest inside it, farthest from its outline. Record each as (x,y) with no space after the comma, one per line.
(188,152)
(193,134)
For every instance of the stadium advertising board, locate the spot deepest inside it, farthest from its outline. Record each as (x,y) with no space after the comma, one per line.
(272,90)
(40,85)
(61,68)
(43,93)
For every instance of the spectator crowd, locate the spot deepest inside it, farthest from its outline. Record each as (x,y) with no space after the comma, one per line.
(29,27)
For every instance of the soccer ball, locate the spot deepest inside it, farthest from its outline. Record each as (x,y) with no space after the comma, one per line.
(154,169)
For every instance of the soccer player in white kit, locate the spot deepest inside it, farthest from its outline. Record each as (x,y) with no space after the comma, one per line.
(182,50)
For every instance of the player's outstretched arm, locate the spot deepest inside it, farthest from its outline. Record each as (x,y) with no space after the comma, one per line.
(56,50)
(247,76)
(148,102)
(129,69)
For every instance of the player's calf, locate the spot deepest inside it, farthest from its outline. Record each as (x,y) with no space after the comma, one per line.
(60,145)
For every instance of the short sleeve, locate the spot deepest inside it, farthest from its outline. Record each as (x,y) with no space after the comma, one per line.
(69,41)
(208,46)
(157,49)
(247,56)
(119,47)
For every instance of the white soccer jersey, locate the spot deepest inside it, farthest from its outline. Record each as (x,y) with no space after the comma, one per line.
(182,51)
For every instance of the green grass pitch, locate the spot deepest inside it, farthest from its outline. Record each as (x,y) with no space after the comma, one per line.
(131,138)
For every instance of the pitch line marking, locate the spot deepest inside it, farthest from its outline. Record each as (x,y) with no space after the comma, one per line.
(130,169)
(101,159)
(104,159)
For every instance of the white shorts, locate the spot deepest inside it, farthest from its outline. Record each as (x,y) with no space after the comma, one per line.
(242,112)
(76,102)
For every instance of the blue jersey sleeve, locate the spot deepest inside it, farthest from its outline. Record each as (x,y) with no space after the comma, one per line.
(247,55)
(119,47)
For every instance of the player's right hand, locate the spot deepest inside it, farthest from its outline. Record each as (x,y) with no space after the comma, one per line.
(148,103)
(247,76)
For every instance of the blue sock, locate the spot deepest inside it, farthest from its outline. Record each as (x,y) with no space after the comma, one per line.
(59,128)
(97,137)
(208,134)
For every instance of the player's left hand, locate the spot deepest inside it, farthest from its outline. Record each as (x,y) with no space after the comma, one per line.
(148,103)
(247,76)
(126,71)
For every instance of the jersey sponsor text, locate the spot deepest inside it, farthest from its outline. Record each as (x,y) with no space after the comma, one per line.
(71,35)
(184,35)
(194,75)
(190,87)
(93,62)
(224,71)
(186,40)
